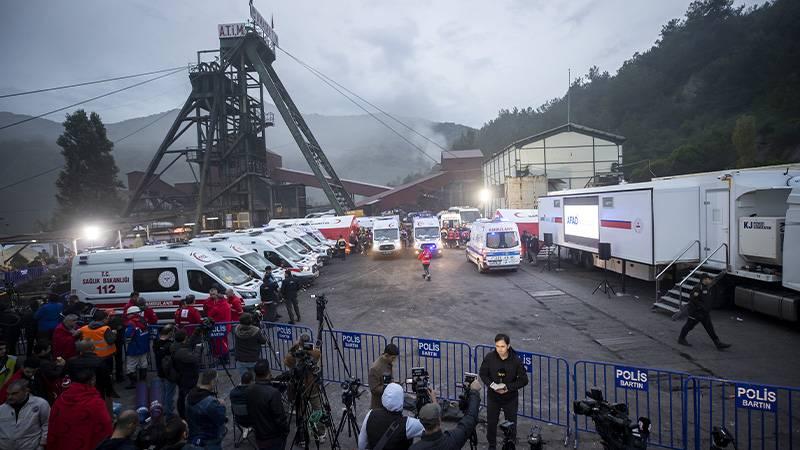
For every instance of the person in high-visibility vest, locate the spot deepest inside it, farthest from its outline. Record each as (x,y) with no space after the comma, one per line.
(102,336)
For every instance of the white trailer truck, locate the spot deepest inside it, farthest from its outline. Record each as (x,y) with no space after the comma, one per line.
(744,223)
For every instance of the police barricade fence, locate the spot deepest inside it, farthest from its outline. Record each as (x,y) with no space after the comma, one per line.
(445,361)
(547,397)
(20,275)
(756,416)
(358,352)
(653,393)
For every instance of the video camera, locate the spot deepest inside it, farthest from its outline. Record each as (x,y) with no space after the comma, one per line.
(303,358)
(463,398)
(321,303)
(206,325)
(721,438)
(350,390)
(255,311)
(615,428)
(420,383)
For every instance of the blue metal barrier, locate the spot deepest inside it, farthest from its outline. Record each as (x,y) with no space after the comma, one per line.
(281,336)
(653,393)
(758,416)
(358,349)
(21,275)
(446,362)
(546,398)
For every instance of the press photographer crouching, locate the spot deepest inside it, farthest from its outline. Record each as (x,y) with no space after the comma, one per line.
(386,428)
(430,416)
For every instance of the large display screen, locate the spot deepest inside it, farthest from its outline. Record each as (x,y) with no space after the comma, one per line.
(582,221)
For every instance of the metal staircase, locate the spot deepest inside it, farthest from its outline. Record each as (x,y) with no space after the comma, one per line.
(674,299)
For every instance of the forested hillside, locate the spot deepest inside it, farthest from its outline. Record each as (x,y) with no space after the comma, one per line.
(720,88)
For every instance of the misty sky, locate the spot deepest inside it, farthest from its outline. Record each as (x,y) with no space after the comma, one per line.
(451,60)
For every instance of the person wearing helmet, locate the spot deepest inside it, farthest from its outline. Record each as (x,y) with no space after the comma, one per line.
(425,258)
(137,346)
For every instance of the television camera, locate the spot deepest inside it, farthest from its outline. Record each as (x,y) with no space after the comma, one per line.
(420,385)
(615,428)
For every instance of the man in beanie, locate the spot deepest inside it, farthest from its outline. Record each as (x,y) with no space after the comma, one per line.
(382,366)
(379,424)
(435,438)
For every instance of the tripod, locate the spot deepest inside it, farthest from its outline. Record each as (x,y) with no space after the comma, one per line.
(604,286)
(349,413)
(307,420)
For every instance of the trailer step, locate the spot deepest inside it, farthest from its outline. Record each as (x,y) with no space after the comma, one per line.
(687,289)
(666,307)
(670,300)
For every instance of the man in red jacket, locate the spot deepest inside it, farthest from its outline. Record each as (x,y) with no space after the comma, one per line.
(79,419)
(236,304)
(150,316)
(425,257)
(65,336)
(217,308)
(187,315)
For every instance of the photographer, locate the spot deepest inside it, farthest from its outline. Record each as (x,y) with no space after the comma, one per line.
(185,359)
(248,340)
(430,417)
(379,424)
(502,371)
(265,409)
(310,385)
(382,366)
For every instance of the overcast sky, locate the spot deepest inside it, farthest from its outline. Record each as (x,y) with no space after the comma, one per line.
(452,60)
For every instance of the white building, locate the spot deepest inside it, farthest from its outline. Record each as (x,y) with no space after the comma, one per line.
(570,156)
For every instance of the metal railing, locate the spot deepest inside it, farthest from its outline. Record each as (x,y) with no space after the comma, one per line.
(672,263)
(697,267)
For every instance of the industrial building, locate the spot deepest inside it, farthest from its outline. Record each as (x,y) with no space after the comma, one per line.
(567,157)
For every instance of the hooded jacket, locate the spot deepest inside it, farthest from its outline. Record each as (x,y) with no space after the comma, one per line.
(509,371)
(137,336)
(248,340)
(456,437)
(79,419)
(48,315)
(205,415)
(26,431)
(186,362)
(265,409)
(392,409)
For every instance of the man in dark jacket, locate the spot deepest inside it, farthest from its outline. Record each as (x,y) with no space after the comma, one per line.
(205,414)
(269,298)
(124,427)
(289,291)
(266,411)
(435,438)
(698,313)
(87,360)
(186,363)
(248,340)
(503,373)
(382,366)
(161,348)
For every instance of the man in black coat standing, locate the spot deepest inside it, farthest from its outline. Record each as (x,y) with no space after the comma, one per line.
(503,373)
(289,290)
(266,411)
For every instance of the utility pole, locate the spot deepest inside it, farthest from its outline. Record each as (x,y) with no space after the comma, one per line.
(569,88)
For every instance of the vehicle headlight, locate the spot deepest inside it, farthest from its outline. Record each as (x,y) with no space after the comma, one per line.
(247,294)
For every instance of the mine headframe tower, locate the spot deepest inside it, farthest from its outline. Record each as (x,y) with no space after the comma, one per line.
(226,109)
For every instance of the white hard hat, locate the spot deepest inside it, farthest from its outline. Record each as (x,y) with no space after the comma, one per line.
(134,310)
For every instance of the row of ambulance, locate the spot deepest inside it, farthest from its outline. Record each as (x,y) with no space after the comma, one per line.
(164,274)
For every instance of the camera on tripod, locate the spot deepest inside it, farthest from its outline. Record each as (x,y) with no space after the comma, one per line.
(721,438)
(420,383)
(206,325)
(350,390)
(255,311)
(304,360)
(611,420)
(386,379)
(463,397)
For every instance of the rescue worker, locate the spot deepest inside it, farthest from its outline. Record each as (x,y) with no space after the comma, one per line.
(451,237)
(137,338)
(236,304)
(425,258)
(218,309)
(698,312)
(187,315)
(503,373)
(341,247)
(289,291)
(102,337)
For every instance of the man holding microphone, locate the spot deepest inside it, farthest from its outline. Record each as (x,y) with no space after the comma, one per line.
(503,373)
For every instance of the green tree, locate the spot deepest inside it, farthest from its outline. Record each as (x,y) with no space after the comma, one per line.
(744,140)
(88,186)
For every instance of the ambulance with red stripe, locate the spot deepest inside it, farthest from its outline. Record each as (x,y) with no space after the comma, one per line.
(162,274)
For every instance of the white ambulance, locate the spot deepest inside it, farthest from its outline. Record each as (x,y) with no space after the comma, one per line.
(267,245)
(386,236)
(494,245)
(247,260)
(162,274)
(425,231)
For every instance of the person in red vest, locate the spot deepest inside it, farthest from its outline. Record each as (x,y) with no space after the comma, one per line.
(187,316)
(218,309)
(452,237)
(425,257)
(79,419)
(236,304)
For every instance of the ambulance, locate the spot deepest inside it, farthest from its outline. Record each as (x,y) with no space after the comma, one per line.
(425,232)
(276,252)
(248,261)
(494,245)
(386,236)
(162,274)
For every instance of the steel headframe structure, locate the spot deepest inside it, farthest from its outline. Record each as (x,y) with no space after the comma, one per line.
(226,106)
